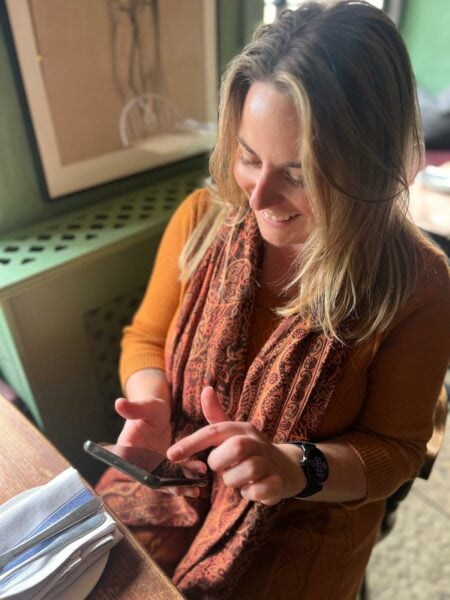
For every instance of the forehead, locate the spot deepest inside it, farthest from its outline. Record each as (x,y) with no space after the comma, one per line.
(264,101)
(270,120)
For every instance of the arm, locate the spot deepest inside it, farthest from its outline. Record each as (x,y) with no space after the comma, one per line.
(147,405)
(144,340)
(402,386)
(266,472)
(387,443)
(148,383)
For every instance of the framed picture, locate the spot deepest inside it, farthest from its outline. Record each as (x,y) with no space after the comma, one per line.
(115,87)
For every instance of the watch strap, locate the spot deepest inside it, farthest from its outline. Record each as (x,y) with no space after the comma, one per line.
(312,486)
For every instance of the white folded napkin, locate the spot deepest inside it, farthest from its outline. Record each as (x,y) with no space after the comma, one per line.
(50,535)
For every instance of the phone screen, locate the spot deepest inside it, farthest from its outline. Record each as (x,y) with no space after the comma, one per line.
(146,466)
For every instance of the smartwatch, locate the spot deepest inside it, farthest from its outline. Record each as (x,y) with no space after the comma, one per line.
(314,466)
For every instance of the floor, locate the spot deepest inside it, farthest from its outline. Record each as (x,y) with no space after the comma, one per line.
(413,562)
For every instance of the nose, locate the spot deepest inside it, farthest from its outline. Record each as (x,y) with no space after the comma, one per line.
(265,192)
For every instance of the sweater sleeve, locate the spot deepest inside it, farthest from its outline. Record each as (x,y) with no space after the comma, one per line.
(143,341)
(403,383)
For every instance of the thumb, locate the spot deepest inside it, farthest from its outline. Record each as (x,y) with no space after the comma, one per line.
(153,409)
(211,406)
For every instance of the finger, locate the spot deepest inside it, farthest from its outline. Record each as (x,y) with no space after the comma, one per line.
(154,409)
(234,450)
(266,491)
(247,472)
(193,468)
(121,406)
(211,406)
(191,492)
(211,435)
(132,410)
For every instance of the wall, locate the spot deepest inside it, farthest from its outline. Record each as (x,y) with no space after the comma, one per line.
(22,199)
(425,27)
(237,21)
(426,30)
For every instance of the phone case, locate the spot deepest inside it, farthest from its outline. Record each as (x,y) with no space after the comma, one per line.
(147,478)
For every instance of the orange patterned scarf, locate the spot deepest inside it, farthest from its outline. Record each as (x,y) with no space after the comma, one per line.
(284,393)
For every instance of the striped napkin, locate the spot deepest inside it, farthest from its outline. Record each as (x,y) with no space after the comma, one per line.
(50,536)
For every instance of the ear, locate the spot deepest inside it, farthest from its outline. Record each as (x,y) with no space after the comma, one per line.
(211,406)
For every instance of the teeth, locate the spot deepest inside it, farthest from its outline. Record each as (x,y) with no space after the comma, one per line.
(278,218)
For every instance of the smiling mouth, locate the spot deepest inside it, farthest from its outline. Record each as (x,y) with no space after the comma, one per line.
(279,218)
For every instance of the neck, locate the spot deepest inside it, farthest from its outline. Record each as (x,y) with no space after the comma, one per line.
(276,266)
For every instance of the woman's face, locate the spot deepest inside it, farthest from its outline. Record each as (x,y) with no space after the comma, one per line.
(267,167)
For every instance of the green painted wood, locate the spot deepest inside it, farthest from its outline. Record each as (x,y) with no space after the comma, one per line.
(49,244)
(237,21)
(20,197)
(68,285)
(11,362)
(253,16)
(426,30)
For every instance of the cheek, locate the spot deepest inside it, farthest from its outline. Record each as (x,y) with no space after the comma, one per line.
(241,176)
(303,205)
(307,209)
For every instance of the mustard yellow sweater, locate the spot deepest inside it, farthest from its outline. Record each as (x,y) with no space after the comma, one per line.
(382,407)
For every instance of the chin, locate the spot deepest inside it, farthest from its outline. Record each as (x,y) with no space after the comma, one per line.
(283,239)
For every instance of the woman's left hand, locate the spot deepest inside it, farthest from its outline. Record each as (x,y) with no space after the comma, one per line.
(262,471)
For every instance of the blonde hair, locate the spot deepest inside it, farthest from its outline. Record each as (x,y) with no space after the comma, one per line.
(347,70)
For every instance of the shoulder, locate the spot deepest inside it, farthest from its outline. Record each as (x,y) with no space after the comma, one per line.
(433,273)
(194,207)
(189,214)
(432,291)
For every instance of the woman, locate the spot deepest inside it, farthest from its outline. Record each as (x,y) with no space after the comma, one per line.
(291,302)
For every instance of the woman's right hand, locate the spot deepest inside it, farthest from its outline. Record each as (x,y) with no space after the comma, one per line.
(147,423)
(146,410)
(147,426)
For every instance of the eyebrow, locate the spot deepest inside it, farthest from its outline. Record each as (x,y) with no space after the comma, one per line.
(291,165)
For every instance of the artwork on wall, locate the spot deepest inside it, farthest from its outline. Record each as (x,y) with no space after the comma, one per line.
(115,87)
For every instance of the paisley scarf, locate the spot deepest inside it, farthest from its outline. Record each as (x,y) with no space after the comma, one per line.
(284,393)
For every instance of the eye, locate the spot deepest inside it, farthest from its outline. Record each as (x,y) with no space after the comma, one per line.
(247,161)
(295,181)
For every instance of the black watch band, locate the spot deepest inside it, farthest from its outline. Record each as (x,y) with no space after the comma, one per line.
(314,466)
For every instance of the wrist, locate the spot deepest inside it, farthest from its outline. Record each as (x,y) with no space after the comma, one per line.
(314,465)
(148,384)
(295,480)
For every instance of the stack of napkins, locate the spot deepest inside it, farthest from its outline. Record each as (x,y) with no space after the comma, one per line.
(51,537)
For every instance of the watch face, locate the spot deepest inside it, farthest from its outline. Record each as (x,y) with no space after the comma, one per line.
(317,465)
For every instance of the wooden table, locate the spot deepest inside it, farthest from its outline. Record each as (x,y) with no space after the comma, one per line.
(27,459)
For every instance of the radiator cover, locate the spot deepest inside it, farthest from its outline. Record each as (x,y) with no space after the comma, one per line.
(67,287)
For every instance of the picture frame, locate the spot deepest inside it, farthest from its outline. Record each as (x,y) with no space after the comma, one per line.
(117,87)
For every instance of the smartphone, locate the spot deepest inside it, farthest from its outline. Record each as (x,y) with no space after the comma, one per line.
(150,468)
